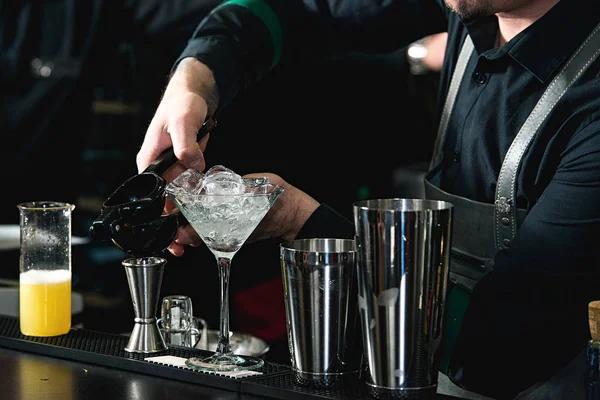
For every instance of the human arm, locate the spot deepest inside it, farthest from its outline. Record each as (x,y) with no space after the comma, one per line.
(436,47)
(296,215)
(242,43)
(533,306)
(187,102)
(427,54)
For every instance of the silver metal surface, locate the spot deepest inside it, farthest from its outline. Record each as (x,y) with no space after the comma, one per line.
(319,278)
(241,343)
(403,265)
(144,276)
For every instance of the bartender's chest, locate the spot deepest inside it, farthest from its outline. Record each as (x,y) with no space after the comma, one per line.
(494,100)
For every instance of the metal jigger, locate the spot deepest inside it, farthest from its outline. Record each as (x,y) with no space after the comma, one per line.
(144,276)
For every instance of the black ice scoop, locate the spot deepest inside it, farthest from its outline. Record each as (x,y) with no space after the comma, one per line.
(132,216)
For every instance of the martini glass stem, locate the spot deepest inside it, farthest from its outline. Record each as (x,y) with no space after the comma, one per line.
(224,264)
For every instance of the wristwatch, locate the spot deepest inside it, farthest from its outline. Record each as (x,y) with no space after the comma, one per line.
(415,54)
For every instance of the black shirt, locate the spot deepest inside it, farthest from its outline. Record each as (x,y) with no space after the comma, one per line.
(529,317)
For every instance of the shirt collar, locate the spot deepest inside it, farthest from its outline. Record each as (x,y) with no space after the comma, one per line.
(545,45)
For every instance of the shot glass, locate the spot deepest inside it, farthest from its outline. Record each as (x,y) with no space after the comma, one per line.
(45,268)
(177,323)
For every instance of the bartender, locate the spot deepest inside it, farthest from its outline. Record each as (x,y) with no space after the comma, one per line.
(517,152)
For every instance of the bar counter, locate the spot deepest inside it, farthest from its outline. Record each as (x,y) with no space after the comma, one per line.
(92,365)
(28,376)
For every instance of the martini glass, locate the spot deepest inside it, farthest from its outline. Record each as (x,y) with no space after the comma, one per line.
(224,209)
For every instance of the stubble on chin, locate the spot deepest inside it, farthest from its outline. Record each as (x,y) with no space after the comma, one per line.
(470,9)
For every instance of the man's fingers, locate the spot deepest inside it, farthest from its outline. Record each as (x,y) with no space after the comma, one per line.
(175,124)
(183,128)
(188,236)
(155,141)
(176,249)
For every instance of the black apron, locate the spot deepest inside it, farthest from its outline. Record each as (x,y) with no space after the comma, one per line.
(481,230)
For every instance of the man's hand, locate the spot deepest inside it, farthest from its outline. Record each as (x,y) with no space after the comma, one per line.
(179,116)
(288,214)
(284,220)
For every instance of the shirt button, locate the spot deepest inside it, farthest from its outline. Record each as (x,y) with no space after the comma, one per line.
(479,78)
(506,242)
(456,157)
(505,221)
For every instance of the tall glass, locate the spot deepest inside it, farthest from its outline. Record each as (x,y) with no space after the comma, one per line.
(224,221)
(45,268)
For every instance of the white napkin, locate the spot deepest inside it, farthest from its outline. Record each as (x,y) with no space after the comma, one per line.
(180,363)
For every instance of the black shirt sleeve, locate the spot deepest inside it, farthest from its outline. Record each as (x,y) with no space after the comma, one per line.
(325,222)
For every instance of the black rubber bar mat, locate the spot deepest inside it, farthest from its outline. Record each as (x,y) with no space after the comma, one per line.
(108,350)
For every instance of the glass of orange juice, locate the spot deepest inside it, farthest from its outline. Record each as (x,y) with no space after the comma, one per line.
(45,268)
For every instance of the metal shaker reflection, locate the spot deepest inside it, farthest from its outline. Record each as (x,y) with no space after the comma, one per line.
(319,279)
(403,265)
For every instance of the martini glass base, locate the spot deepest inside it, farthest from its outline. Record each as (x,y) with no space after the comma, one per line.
(224,362)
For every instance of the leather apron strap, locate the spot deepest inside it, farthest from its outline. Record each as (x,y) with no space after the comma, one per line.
(505,216)
(457,75)
(480,230)
(470,236)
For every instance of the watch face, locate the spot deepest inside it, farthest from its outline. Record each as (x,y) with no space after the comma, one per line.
(415,53)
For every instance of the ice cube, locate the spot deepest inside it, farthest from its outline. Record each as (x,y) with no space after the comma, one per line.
(256,182)
(222,181)
(189,182)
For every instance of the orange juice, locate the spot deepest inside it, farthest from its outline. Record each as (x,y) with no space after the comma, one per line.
(45,302)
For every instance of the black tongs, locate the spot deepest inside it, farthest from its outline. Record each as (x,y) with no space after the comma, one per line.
(132,216)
